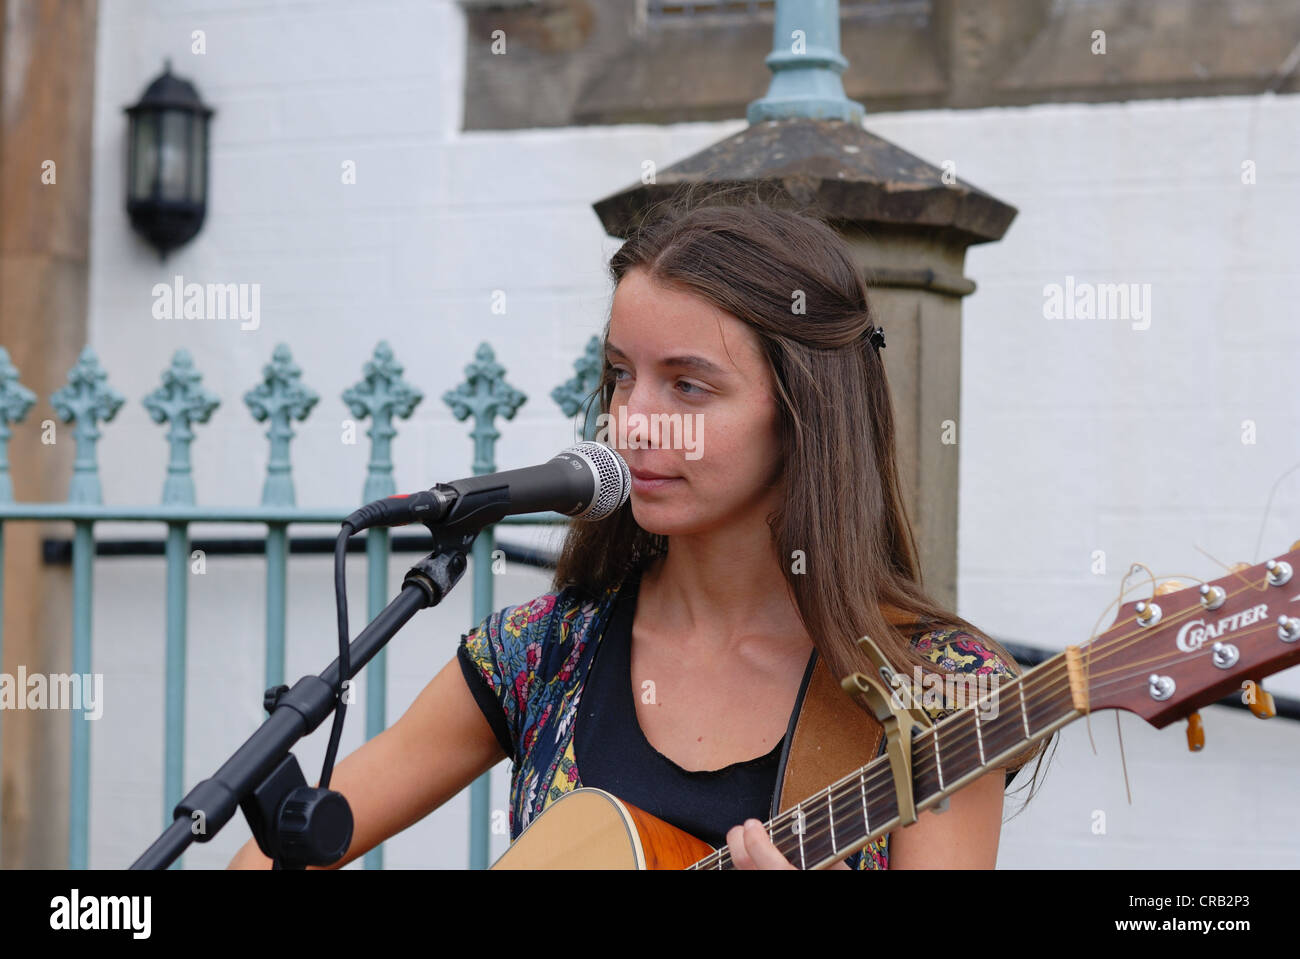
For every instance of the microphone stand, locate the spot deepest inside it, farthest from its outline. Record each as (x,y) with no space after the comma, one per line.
(295,824)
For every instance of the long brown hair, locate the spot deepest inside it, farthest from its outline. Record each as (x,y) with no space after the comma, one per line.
(836,423)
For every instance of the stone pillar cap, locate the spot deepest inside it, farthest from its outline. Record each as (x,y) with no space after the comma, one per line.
(838,169)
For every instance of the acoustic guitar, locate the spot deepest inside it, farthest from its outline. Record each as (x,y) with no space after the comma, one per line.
(1162,659)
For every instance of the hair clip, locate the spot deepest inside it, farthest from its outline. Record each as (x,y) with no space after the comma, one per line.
(877,338)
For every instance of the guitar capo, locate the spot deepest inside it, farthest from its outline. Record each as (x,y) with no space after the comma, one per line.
(899,721)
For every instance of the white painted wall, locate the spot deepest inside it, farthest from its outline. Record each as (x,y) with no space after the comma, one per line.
(1076,436)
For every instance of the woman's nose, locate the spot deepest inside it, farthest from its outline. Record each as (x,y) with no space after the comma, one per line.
(639,421)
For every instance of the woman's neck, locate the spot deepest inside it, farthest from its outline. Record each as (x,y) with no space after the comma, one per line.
(722,591)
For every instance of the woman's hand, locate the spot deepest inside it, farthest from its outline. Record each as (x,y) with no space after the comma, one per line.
(751,848)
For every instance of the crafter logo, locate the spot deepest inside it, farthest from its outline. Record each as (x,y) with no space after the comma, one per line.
(1195,634)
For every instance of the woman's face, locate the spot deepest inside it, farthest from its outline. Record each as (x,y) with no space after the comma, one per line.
(693,401)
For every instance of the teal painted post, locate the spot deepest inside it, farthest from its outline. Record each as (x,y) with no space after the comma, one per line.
(380,395)
(83,555)
(281,397)
(277,589)
(15,401)
(85,401)
(180,401)
(806,64)
(174,671)
(484,394)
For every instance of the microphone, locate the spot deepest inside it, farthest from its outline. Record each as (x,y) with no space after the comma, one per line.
(588,481)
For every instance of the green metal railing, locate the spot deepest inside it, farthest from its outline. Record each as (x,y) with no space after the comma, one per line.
(381,396)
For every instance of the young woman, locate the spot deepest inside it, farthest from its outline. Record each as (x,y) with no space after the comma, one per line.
(772,526)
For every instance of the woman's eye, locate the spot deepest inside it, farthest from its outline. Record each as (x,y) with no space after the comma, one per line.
(690,390)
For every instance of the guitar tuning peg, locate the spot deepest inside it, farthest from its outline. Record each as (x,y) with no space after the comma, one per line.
(1263,705)
(1195,733)
(1169,586)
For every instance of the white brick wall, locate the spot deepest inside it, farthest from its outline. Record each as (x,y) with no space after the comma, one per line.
(1076,435)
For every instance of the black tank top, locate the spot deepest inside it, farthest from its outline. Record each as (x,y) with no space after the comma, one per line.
(613,754)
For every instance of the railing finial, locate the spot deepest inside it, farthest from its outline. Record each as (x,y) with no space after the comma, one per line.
(15,401)
(484,394)
(280,397)
(381,395)
(86,401)
(180,401)
(573,392)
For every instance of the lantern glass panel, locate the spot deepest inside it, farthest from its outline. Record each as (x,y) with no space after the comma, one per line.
(173,155)
(144,154)
(198,157)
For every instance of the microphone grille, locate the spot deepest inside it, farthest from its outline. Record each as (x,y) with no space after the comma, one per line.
(613,479)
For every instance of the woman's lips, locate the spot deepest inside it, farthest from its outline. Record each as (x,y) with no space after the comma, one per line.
(646,482)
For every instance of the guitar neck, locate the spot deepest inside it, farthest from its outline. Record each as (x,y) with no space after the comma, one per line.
(844,817)
(1164,656)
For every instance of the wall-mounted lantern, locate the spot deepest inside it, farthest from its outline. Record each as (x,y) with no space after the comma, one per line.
(167,167)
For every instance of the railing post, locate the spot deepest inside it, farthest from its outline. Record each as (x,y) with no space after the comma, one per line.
(180,401)
(85,401)
(483,394)
(280,398)
(381,395)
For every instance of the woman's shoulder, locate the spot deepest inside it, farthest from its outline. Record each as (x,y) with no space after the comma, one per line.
(556,617)
(977,666)
(955,648)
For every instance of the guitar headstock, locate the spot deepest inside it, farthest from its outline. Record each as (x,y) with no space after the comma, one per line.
(1165,657)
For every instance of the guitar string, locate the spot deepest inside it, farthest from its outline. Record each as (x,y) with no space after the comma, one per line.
(958,748)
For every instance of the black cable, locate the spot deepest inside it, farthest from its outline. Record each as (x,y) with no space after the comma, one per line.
(345,663)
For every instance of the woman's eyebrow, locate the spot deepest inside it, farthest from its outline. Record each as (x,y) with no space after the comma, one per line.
(698,363)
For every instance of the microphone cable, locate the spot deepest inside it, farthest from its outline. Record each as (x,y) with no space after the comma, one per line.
(345,651)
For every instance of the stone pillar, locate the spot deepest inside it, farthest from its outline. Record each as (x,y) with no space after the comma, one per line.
(47,62)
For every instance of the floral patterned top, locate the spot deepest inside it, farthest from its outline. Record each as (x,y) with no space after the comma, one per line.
(526,665)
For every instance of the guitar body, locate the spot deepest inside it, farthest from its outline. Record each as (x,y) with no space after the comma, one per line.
(593,829)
